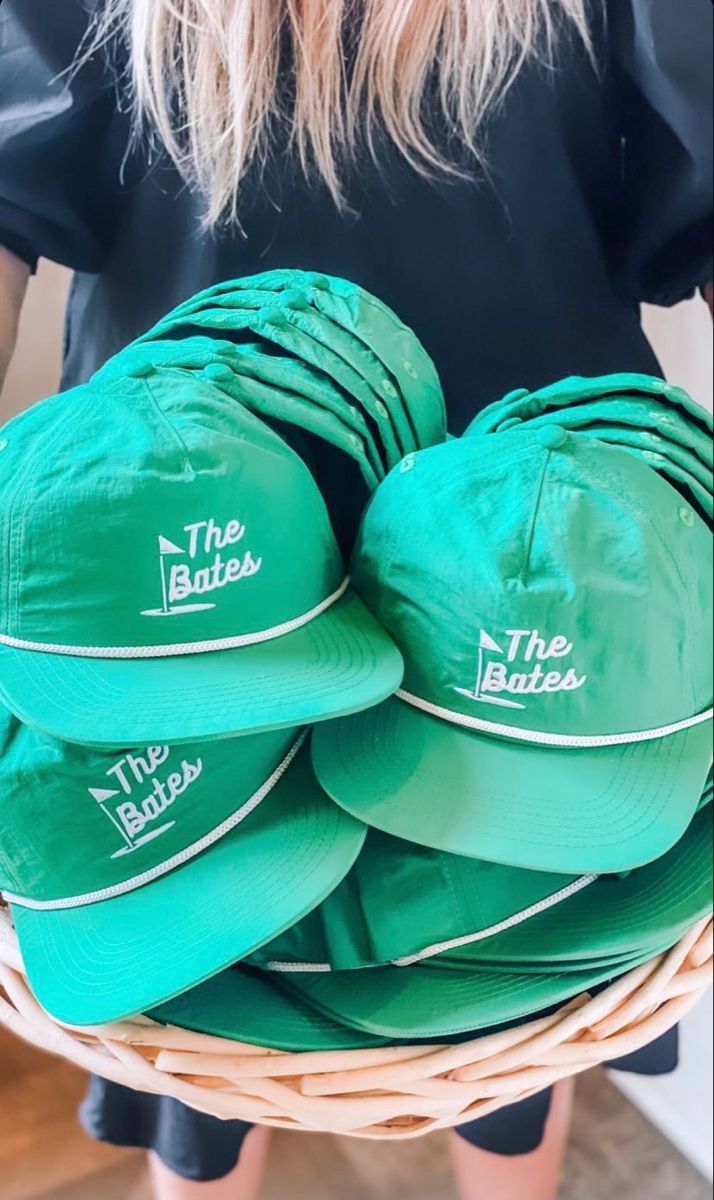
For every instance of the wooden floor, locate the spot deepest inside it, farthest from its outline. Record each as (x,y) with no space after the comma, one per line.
(615,1155)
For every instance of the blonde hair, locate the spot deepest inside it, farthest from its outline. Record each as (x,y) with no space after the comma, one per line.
(218,80)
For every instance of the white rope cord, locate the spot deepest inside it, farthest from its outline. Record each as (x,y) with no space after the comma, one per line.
(179,648)
(535,910)
(178,860)
(557,740)
(469,939)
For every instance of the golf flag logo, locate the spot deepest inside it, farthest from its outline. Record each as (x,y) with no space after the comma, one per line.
(184,583)
(500,682)
(135,818)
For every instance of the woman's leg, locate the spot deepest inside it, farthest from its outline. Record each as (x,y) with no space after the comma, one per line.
(244,1183)
(481,1175)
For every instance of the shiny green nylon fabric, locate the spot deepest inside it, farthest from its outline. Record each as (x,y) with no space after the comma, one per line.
(526,582)
(286,328)
(652,907)
(384,405)
(584,545)
(431,1002)
(249,1006)
(641,416)
(616,388)
(180,523)
(292,379)
(401,899)
(235,836)
(653,420)
(409,368)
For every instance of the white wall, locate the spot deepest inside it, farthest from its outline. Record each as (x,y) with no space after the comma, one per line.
(682,1104)
(35,368)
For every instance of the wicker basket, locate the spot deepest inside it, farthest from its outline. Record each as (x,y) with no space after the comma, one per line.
(388,1093)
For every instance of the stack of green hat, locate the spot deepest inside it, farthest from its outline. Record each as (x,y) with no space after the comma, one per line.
(506,796)
(175,614)
(654,420)
(539,789)
(310,352)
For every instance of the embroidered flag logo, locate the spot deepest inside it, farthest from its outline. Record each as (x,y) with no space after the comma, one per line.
(498,679)
(134,818)
(182,582)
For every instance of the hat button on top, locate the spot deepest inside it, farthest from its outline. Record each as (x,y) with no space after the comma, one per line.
(139,370)
(552,437)
(218,372)
(295,299)
(274,316)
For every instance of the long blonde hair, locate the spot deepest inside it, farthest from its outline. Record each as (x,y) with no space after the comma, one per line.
(210,77)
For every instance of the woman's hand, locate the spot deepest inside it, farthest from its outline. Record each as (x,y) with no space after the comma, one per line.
(14,275)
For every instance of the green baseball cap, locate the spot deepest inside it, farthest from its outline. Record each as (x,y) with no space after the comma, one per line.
(134,876)
(287,328)
(433,1001)
(275,404)
(635,393)
(678,465)
(652,446)
(223,361)
(404,903)
(552,598)
(247,1005)
(653,906)
(170,573)
(410,378)
(385,401)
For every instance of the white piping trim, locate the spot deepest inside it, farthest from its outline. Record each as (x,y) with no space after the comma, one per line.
(178,860)
(178,648)
(535,910)
(558,740)
(470,939)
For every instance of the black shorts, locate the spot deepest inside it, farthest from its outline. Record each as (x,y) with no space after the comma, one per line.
(204,1149)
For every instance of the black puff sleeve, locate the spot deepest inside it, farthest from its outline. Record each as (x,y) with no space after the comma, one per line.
(662,80)
(62,138)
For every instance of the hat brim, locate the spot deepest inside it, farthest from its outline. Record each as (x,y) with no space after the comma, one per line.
(247,1005)
(339,663)
(617,963)
(606,922)
(653,905)
(434,1002)
(581,811)
(110,960)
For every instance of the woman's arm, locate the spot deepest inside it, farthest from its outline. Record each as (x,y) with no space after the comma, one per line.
(14,275)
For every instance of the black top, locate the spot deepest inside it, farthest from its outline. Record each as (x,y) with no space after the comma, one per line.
(598,197)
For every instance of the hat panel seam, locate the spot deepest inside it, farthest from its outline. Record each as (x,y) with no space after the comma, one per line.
(533,520)
(170,428)
(463,474)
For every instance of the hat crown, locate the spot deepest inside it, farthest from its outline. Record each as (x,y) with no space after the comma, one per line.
(556,590)
(155,512)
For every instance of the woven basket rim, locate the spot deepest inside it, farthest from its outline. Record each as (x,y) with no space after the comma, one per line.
(388,1093)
